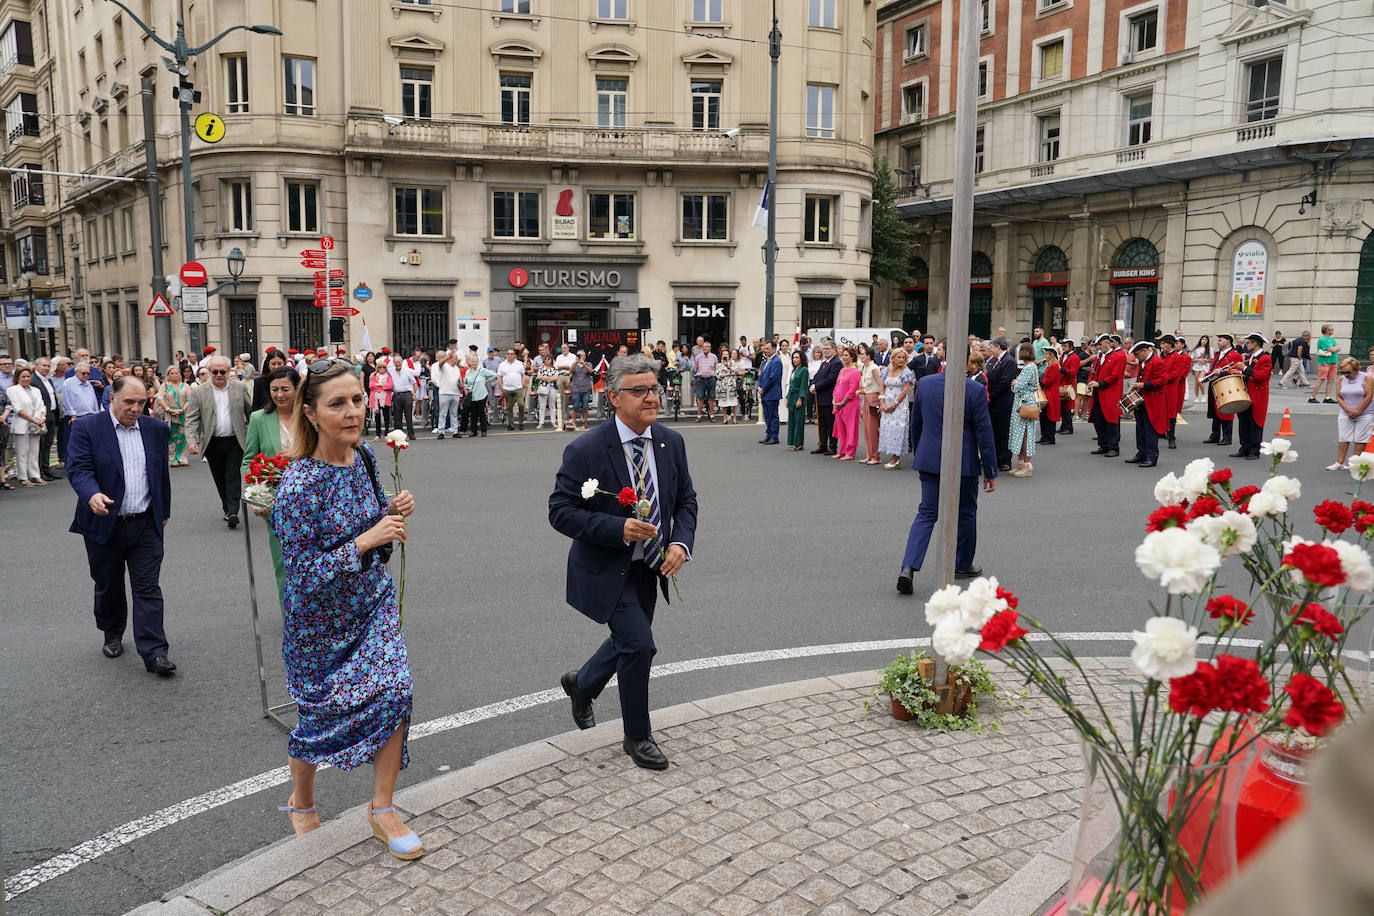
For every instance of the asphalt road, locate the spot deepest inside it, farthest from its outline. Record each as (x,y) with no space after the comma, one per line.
(792,550)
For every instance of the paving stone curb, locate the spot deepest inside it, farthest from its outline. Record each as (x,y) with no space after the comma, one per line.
(1017,882)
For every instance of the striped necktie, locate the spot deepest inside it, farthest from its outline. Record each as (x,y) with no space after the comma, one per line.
(653,548)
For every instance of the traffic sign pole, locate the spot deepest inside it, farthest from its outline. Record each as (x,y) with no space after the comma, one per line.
(162,324)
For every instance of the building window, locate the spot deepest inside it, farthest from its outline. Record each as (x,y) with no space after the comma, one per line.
(32,252)
(126,226)
(236,84)
(1139,109)
(978,146)
(515,98)
(515,6)
(612,96)
(1052,60)
(914,100)
(419,211)
(821,14)
(240,207)
(915,41)
(820,110)
(92,240)
(983,79)
(706,104)
(1144,29)
(819,210)
(911,166)
(21,116)
(1049,137)
(515,214)
(16,46)
(985,15)
(302,206)
(27,186)
(610,216)
(705,217)
(1264,79)
(417,92)
(107,226)
(135,351)
(612,9)
(707,11)
(300,85)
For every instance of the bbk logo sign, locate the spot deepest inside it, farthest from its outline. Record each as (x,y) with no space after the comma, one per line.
(703,310)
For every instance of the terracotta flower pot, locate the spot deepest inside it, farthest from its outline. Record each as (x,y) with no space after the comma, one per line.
(900,712)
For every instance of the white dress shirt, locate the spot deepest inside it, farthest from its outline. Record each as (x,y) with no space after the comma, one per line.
(224,422)
(135,462)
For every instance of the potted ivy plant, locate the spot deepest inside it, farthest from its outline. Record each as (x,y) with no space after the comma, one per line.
(950,706)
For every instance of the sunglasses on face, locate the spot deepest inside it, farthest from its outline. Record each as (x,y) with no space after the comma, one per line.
(219,371)
(324,365)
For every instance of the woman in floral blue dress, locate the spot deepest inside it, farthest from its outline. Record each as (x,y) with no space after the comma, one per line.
(1021,438)
(346,662)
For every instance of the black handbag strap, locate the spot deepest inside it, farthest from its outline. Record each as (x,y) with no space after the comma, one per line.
(371,466)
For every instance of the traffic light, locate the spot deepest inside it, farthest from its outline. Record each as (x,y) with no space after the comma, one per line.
(185,93)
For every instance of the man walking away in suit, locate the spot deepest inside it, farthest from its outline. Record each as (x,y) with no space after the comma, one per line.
(619,558)
(979,453)
(770,392)
(1002,371)
(823,389)
(117,464)
(217,420)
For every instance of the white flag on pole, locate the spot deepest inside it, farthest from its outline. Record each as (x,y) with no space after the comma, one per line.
(765,201)
(367,338)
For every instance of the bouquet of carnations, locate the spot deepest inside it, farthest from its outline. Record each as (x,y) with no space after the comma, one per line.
(264,474)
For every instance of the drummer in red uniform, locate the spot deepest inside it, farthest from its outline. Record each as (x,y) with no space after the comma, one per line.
(1049,417)
(1104,386)
(1221,423)
(1068,375)
(1258,367)
(1152,416)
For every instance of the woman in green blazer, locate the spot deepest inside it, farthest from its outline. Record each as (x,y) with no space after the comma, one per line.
(270,433)
(796,402)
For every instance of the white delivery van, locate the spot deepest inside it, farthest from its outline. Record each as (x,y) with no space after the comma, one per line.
(855,336)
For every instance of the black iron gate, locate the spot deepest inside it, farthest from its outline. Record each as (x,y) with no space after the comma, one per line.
(305,324)
(418,323)
(243,327)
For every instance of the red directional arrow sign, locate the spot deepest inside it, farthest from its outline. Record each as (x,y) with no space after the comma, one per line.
(321,301)
(313,253)
(343,311)
(333,275)
(314,263)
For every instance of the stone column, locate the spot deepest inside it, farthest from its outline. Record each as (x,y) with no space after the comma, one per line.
(1006,309)
(1169,305)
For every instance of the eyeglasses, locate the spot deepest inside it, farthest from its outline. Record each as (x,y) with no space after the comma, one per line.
(219,371)
(641,391)
(324,365)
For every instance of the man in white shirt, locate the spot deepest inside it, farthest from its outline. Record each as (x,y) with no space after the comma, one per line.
(449,380)
(217,420)
(564,362)
(511,372)
(403,374)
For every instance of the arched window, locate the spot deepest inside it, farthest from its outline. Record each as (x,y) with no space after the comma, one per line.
(1137,253)
(919,269)
(1362,334)
(1051,259)
(980,265)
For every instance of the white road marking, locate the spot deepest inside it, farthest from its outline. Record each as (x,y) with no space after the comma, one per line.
(92,849)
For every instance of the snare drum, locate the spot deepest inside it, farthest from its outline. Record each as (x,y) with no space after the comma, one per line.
(1066,392)
(1229,393)
(1130,401)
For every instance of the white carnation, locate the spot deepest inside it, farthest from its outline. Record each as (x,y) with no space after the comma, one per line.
(396,437)
(1196,477)
(1361,465)
(944,604)
(1359,572)
(1231,533)
(1290,488)
(1178,559)
(1267,503)
(1167,649)
(955,644)
(1170,491)
(1280,447)
(589,488)
(980,601)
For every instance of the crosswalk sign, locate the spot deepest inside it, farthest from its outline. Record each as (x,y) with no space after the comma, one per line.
(159,308)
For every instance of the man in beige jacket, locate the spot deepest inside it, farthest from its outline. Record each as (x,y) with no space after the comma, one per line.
(217,423)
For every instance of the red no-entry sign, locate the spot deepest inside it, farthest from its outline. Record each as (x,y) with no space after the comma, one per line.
(193,273)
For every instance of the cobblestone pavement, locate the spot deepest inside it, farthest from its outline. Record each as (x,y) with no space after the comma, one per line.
(804,804)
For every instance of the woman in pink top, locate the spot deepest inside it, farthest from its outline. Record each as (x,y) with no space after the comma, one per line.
(846,405)
(379,395)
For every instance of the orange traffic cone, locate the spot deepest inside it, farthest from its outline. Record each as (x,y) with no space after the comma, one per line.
(1369,446)
(1286,427)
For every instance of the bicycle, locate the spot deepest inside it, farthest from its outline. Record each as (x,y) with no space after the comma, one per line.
(671,393)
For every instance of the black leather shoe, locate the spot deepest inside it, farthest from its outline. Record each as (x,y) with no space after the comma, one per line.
(1134,460)
(1236,455)
(1224,442)
(583,716)
(113,648)
(1098,451)
(645,753)
(1148,464)
(818,451)
(159,664)
(1252,457)
(1111,453)
(1173,444)
(1065,432)
(973,572)
(1210,440)
(232,521)
(904,580)
(1004,467)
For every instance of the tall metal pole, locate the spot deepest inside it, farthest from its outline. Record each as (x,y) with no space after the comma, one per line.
(960,255)
(185,106)
(162,324)
(770,252)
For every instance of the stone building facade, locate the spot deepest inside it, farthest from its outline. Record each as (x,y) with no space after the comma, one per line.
(1169,164)
(526,168)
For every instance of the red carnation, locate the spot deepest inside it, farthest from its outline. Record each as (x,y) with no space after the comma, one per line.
(1320,619)
(1314,705)
(1240,687)
(1205,505)
(1000,630)
(1360,507)
(1242,494)
(1364,522)
(1333,516)
(1008,596)
(1222,476)
(1317,562)
(627,496)
(1194,693)
(1167,517)
(1230,608)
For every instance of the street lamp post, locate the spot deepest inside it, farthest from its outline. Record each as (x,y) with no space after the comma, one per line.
(182,52)
(27,275)
(770,249)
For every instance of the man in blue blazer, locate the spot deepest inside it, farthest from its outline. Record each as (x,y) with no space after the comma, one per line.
(770,392)
(979,454)
(823,389)
(617,559)
(117,464)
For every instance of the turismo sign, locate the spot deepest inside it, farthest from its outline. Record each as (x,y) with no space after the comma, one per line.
(564,277)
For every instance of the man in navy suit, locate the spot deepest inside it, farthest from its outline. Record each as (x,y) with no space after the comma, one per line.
(978,454)
(1002,371)
(770,392)
(117,464)
(823,389)
(618,559)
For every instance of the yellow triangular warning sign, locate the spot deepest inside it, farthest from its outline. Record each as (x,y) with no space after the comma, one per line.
(159,307)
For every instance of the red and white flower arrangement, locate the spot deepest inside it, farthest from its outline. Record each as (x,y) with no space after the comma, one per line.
(398,442)
(263,478)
